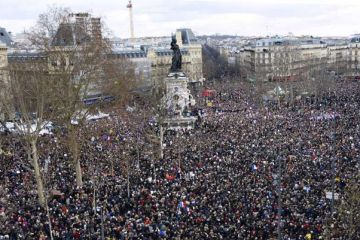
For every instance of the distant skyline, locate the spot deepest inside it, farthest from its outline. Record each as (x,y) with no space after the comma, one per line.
(204,17)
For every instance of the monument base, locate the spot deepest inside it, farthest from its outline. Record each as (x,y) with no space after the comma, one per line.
(176,102)
(176,74)
(178,123)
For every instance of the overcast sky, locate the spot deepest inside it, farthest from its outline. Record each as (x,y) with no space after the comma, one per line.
(162,17)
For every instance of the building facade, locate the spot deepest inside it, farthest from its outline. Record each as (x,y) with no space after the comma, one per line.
(152,63)
(338,57)
(278,59)
(3,78)
(354,57)
(5,38)
(3,56)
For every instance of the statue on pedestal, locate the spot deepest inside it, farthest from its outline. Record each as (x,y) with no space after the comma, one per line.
(176,58)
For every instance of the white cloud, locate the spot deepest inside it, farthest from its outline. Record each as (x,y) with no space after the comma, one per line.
(242,17)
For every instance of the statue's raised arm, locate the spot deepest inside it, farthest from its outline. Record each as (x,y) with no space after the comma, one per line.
(176,58)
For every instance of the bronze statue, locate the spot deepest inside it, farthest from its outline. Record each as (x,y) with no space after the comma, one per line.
(176,58)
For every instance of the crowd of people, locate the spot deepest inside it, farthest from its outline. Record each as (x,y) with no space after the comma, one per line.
(247,171)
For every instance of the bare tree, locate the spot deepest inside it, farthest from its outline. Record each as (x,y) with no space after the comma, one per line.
(119,80)
(215,66)
(318,78)
(30,94)
(78,57)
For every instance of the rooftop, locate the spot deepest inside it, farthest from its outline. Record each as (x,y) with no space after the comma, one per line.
(5,37)
(355,38)
(187,36)
(278,41)
(139,53)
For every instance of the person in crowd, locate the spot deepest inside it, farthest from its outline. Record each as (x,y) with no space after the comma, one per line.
(247,171)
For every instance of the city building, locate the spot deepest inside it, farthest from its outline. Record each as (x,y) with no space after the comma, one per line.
(354,56)
(3,56)
(79,28)
(5,37)
(338,58)
(150,57)
(153,62)
(141,65)
(3,76)
(280,59)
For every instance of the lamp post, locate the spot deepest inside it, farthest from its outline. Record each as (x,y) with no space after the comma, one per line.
(127,174)
(102,224)
(333,159)
(161,141)
(279,210)
(333,166)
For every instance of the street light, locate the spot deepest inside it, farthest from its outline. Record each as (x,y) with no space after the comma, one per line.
(279,177)
(333,139)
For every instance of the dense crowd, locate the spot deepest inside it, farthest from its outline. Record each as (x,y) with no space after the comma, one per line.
(247,171)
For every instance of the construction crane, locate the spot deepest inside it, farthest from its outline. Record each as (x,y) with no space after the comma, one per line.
(130,7)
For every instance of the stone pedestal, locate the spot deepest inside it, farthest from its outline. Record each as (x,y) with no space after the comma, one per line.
(177,102)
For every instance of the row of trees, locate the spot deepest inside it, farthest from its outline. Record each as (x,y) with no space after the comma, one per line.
(289,72)
(285,69)
(72,64)
(215,65)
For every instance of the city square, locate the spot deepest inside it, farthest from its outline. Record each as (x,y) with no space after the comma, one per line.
(183,136)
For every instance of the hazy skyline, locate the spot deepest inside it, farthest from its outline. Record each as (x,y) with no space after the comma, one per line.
(236,17)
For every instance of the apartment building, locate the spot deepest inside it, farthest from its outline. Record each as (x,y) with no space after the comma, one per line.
(354,56)
(3,76)
(277,59)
